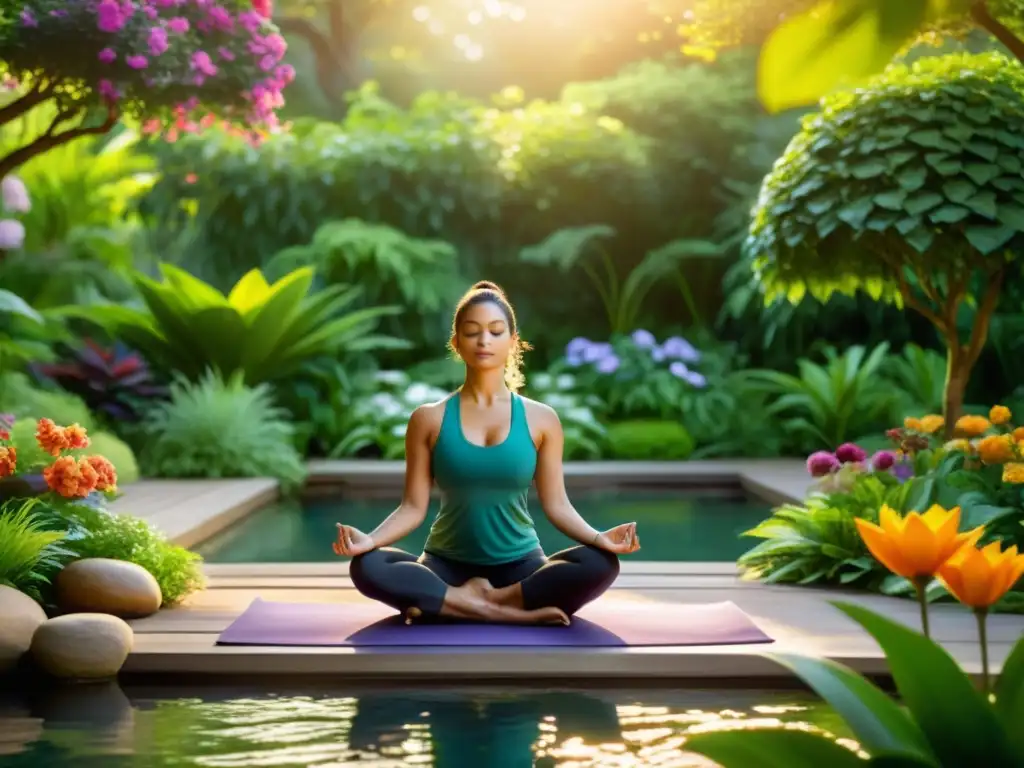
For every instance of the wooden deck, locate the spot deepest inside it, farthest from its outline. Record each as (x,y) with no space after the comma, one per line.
(181,641)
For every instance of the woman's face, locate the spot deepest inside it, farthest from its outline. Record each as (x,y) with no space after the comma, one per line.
(484,338)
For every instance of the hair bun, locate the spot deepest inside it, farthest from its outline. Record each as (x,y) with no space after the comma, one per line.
(487,285)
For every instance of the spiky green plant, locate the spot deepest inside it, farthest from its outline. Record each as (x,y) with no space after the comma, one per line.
(31,553)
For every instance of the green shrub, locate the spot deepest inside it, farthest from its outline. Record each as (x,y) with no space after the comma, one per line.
(19,396)
(218,428)
(132,539)
(649,440)
(31,553)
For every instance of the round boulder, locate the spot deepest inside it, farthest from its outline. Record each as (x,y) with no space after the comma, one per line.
(101,585)
(82,646)
(22,616)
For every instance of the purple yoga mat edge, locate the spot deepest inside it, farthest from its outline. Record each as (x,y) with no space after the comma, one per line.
(372,626)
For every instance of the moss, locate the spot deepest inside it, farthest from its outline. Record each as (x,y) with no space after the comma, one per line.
(650,440)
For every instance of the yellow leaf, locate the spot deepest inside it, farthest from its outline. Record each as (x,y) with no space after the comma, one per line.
(835,44)
(249,292)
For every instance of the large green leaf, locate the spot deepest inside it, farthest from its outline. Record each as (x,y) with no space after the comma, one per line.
(960,725)
(271,321)
(13,304)
(219,336)
(833,44)
(1009,691)
(764,748)
(190,290)
(875,719)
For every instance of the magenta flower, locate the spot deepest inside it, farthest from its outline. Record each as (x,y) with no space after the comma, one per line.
(137,61)
(850,453)
(225,54)
(108,91)
(822,463)
(28,18)
(109,16)
(883,460)
(157,40)
(107,55)
(263,7)
(202,63)
(178,25)
(221,19)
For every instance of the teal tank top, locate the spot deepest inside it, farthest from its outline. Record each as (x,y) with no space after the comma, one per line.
(483,519)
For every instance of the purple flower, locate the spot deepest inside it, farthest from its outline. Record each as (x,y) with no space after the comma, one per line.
(883,460)
(679,348)
(608,364)
(903,470)
(575,349)
(157,40)
(7,420)
(12,234)
(850,453)
(822,463)
(137,61)
(696,379)
(644,339)
(597,352)
(107,55)
(178,25)
(28,18)
(15,195)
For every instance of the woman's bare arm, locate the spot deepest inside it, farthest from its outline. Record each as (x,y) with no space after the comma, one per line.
(411,513)
(550,480)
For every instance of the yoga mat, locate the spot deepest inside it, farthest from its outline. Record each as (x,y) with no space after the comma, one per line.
(605,623)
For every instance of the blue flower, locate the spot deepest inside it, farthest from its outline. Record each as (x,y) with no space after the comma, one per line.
(679,348)
(575,350)
(608,364)
(597,352)
(644,339)
(680,371)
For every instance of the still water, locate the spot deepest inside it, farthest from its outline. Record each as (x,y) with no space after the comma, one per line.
(105,726)
(674,525)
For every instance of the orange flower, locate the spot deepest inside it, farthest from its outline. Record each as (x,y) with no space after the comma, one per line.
(996,449)
(50,437)
(105,473)
(71,477)
(1013,473)
(916,545)
(999,415)
(1018,434)
(932,423)
(912,423)
(76,437)
(972,426)
(8,461)
(978,578)
(4,434)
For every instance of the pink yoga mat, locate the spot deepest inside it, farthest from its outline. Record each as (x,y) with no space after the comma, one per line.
(608,622)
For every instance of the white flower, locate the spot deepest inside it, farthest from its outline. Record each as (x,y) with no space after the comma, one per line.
(581,414)
(395,378)
(386,405)
(565,381)
(15,195)
(560,402)
(399,430)
(12,234)
(418,394)
(541,380)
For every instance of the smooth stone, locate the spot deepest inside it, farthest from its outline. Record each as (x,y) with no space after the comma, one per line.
(102,585)
(22,616)
(82,646)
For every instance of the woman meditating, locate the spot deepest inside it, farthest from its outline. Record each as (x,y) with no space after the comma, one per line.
(484,446)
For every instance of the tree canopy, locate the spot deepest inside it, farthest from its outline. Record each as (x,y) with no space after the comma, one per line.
(909,189)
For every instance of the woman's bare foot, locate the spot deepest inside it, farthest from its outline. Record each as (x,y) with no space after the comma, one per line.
(473,600)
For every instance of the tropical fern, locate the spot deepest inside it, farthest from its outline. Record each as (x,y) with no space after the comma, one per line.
(31,551)
(921,375)
(218,428)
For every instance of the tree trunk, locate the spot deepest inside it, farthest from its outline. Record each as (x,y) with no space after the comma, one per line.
(958,373)
(983,18)
(17,157)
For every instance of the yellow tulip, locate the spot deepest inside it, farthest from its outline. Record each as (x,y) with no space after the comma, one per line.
(999,414)
(931,424)
(978,578)
(915,546)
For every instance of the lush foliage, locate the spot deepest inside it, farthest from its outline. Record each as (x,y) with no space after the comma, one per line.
(913,188)
(33,552)
(221,428)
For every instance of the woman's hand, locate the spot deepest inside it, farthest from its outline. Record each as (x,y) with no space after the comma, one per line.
(351,541)
(622,539)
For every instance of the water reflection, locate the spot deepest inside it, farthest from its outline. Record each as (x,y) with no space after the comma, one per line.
(103,725)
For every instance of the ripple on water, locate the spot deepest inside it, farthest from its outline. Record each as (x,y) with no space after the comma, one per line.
(395,729)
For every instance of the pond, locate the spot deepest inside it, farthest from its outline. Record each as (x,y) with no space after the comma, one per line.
(105,726)
(675,525)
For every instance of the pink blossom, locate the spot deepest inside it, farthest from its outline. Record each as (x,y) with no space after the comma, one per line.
(109,17)
(28,19)
(108,91)
(268,62)
(137,61)
(15,195)
(849,453)
(883,460)
(264,8)
(157,40)
(151,126)
(201,62)
(250,21)
(178,25)
(221,18)
(225,54)
(59,13)
(12,234)
(150,11)
(286,73)
(107,55)
(822,463)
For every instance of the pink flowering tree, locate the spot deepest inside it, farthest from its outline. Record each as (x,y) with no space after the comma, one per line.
(173,65)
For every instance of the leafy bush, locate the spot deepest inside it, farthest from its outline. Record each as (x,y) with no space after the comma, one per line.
(19,396)
(261,331)
(132,539)
(221,428)
(31,553)
(912,188)
(584,434)
(648,440)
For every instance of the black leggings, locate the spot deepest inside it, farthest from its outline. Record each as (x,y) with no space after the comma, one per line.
(568,580)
